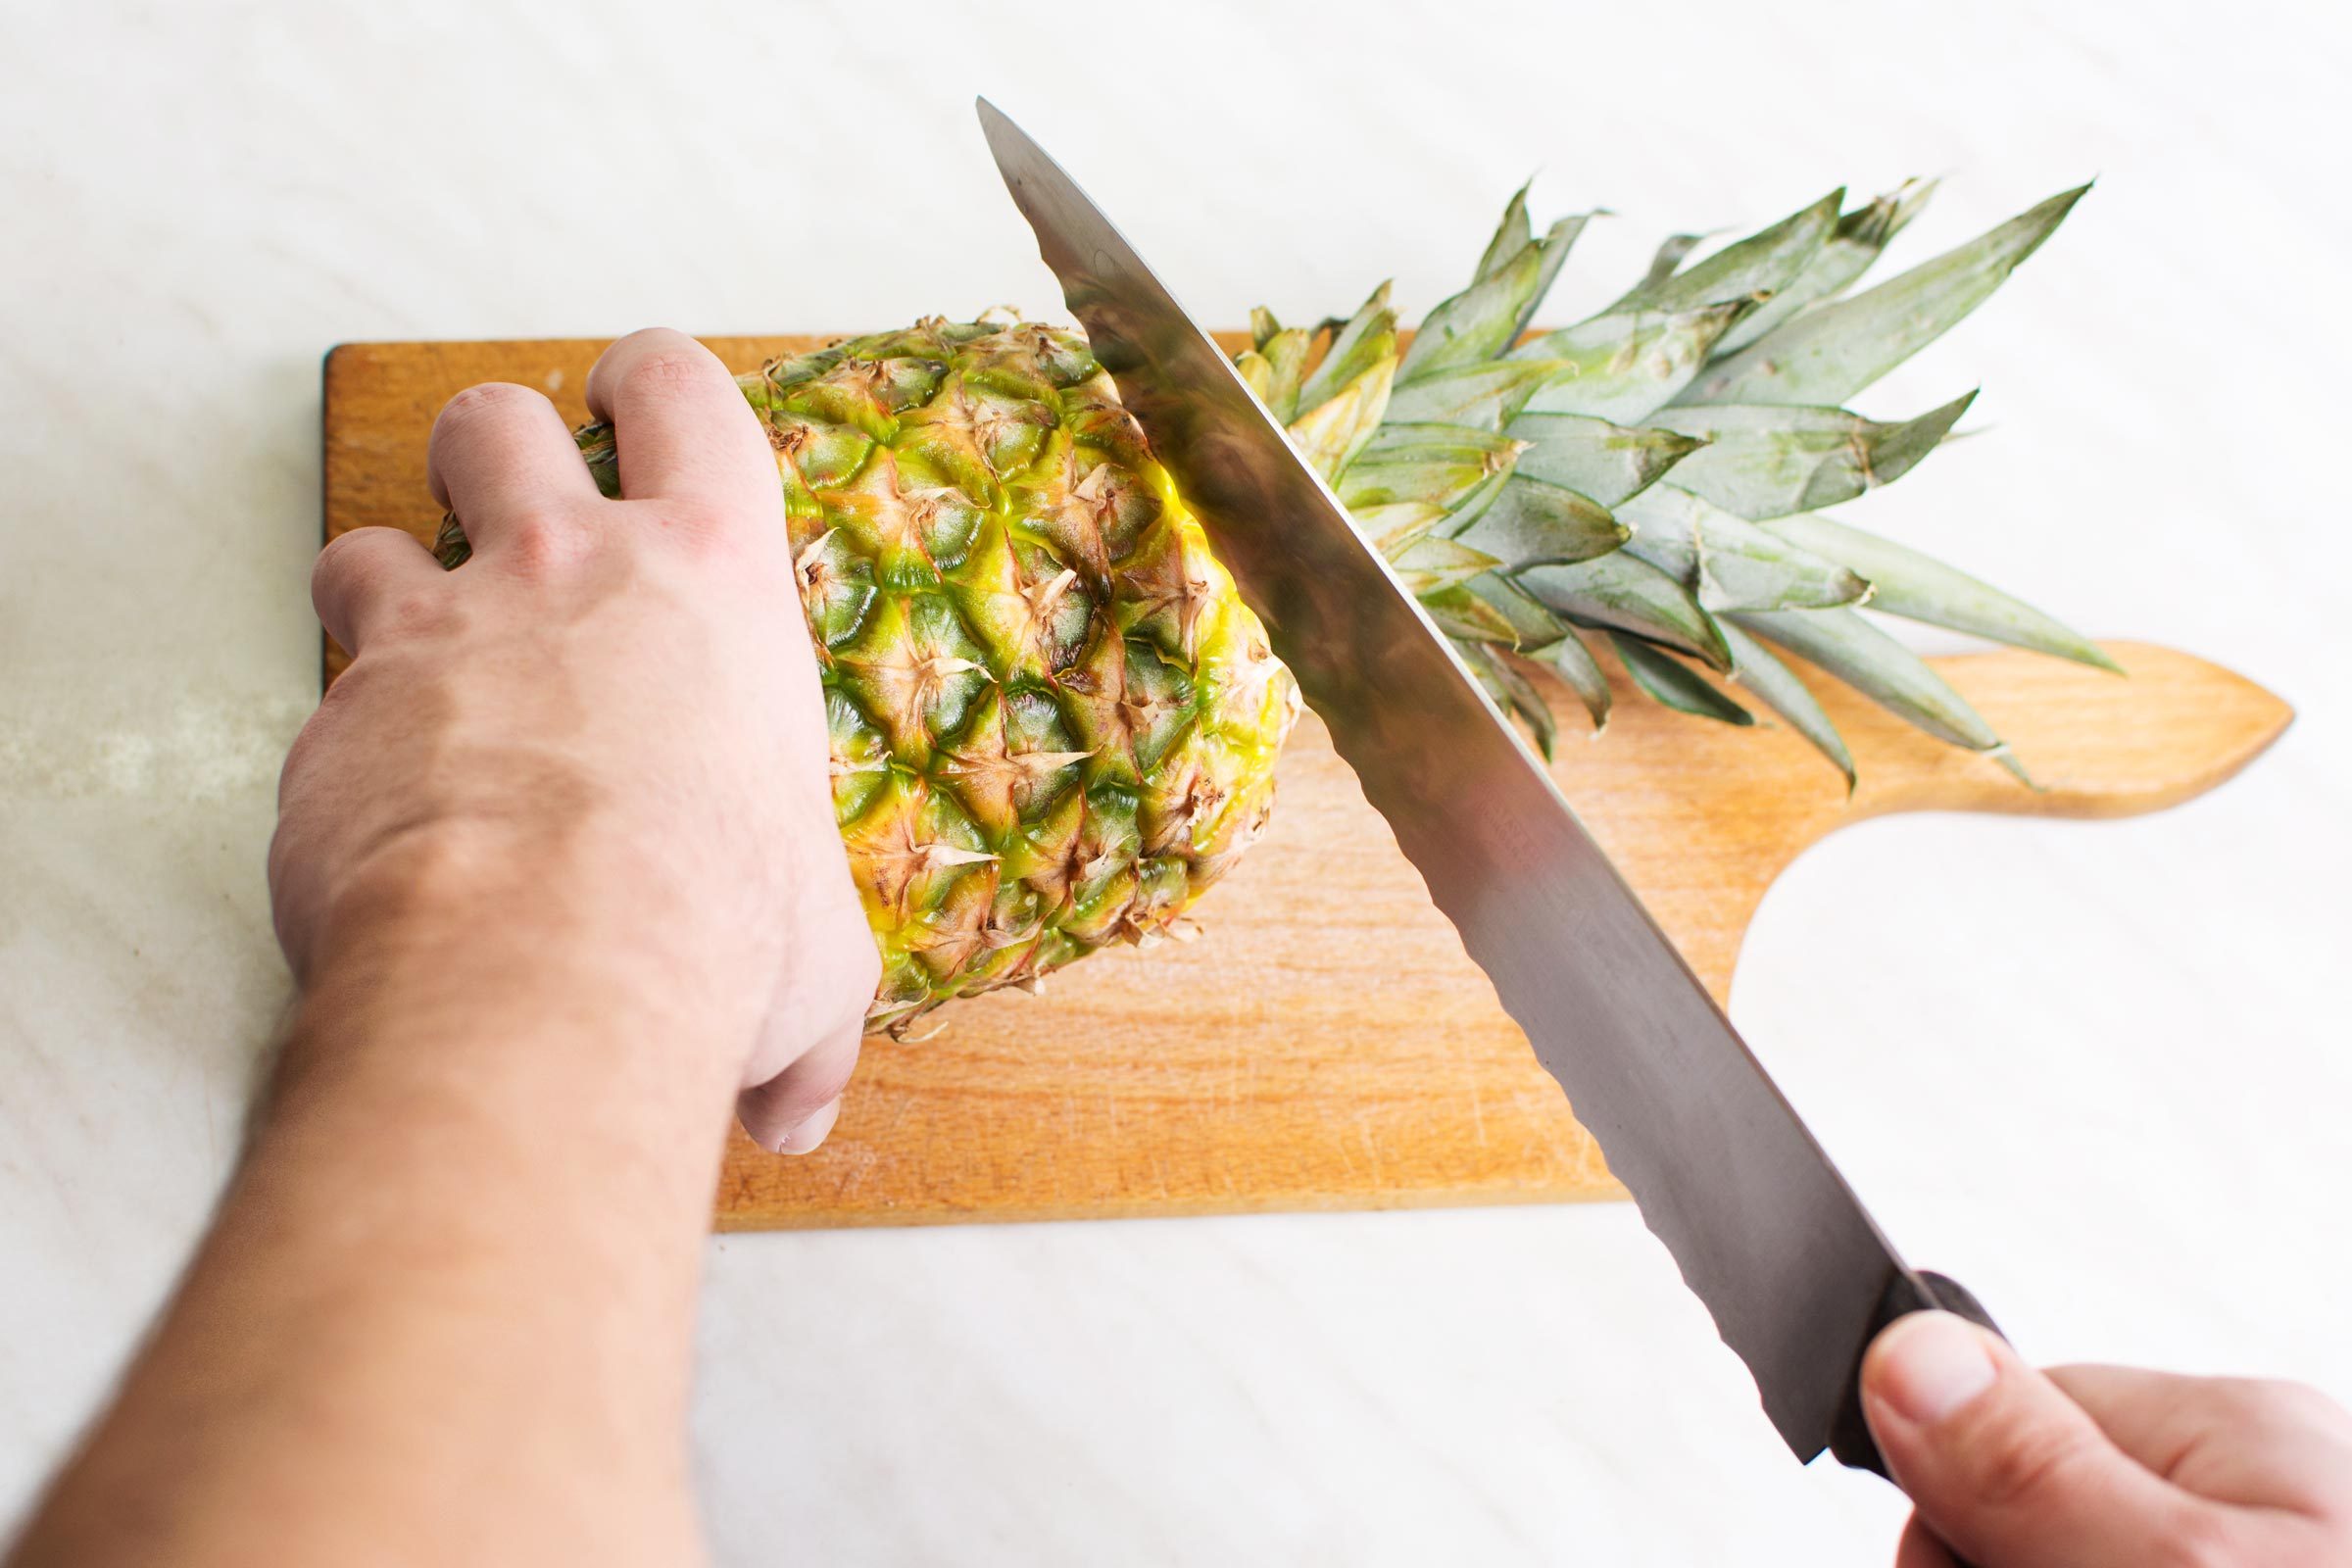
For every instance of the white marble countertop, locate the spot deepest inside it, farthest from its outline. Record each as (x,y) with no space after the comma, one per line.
(2099,1071)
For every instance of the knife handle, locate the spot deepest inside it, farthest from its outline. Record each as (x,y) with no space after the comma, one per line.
(1851,1440)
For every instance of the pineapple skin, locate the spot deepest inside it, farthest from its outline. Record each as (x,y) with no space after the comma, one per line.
(1053,722)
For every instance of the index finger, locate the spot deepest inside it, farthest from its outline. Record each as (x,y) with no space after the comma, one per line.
(2233,1439)
(681,430)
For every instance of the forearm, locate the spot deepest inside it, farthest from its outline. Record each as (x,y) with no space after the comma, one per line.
(448,1302)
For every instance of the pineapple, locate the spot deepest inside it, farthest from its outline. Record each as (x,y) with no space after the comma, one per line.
(1054,721)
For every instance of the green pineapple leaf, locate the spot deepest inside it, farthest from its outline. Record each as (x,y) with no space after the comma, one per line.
(1556,242)
(1918,587)
(1475,324)
(1850,648)
(1263,327)
(1443,476)
(1452,442)
(1670,253)
(1428,566)
(1329,434)
(1466,617)
(1842,258)
(1512,692)
(1778,688)
(1533,628)
(1624,367)
(1767,462)
(1620,591)
(1274,367)
(1364,340)
(1764,262)
(1482,396)
(1674,684)
(1571,661)
(1530,521)
(1511,236)
(1607,462)
(1826,355)
(1729,562)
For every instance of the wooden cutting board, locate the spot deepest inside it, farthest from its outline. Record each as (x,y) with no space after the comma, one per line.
(1325,1043)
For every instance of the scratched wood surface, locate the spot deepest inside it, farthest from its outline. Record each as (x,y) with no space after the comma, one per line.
(1326,1044)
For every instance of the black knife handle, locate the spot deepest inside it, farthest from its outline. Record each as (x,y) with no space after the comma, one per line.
(1851,1440)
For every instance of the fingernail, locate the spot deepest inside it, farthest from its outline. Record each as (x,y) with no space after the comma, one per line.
(1929,1364)
(805,1138)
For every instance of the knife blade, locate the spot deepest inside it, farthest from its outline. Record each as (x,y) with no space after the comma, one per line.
(1764,1228)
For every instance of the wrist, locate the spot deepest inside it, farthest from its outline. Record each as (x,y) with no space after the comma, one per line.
(454,936)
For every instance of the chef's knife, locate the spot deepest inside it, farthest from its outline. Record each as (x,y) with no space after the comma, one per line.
(1765,1230)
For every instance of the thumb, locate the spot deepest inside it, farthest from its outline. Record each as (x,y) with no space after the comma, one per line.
(2001,1463)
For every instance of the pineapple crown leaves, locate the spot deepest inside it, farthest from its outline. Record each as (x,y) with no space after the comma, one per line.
(1653,476)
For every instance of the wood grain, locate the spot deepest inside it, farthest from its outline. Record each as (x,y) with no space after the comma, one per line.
(1326,1044)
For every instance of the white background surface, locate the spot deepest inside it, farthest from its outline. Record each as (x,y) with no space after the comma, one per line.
(2098,1071)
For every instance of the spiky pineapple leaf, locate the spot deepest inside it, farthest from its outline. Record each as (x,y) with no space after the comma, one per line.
(1533,628)
(1331,433)
(1764,262)
(1571,661)
(1258,374)
(1778,688)
(1826,355)
(1482,396)
(1848,647)
(1512,692)
(1918,587)
(1842,258)
(1623,367)
(1474,325)
(1367,337)
(1467,617)
(1428,566)
(1458,442)
(1511,235)
(1669,256)
(1273,370)
(1263,327)
(1443,476)
(1530,521)
(1767,462)
(1728,561)
(1557,241)
(1623,592)
(1674,684)
(1606,462)
(1393,526)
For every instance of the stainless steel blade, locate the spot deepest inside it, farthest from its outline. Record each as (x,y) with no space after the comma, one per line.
(1765,1230)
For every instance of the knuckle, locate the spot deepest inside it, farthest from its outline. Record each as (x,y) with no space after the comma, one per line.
(418,615)
(669,368)
(543,543)
(487,396)
(2021,1466)
(343,555)
(704,533)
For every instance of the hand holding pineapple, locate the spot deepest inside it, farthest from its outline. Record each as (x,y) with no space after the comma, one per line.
(602,746)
